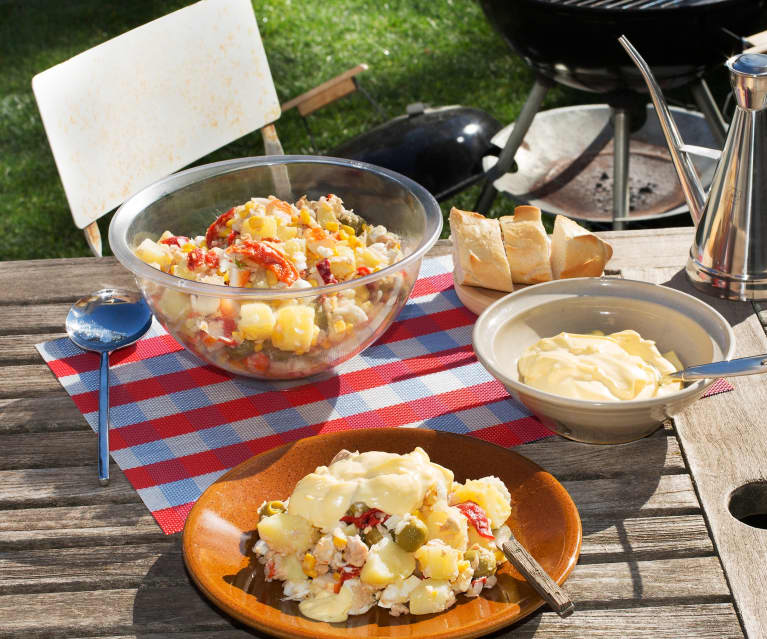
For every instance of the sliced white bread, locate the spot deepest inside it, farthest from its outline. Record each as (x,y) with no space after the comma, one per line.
(576,252)
(479,258)
(526,245)
(527,213)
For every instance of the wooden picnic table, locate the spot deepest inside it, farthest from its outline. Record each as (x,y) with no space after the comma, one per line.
(661,555)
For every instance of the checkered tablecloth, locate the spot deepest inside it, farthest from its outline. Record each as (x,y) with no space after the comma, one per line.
(177,424)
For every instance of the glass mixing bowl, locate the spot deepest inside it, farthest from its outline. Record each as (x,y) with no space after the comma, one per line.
(186,203)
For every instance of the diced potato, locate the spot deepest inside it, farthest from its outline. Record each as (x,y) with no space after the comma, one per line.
(431,595)
(343,264)
(449,525)
(261,227)
(490,494)
(290,568)
(173,304)
(438,560)
(286,232)
(369,258)
(286,533)
(153,253)
(327,218)
(256,320)
(204,304)
(387,563)
(328,606)
(293,328)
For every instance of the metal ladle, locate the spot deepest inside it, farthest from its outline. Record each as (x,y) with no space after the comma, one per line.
(103,322)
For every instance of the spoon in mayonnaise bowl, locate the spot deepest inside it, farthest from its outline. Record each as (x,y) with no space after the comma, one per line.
(753,365)
(103,322)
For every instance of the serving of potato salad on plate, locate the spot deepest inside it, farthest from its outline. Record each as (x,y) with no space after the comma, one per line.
(267,243)
(382,529)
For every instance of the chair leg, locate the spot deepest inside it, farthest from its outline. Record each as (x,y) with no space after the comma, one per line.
(93,237)
(621,142)
(506,158)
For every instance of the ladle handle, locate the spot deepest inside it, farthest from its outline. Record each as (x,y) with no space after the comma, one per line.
(538,578)
(753,365)
(104,420)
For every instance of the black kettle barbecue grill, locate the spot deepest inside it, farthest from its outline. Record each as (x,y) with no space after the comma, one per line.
(574,43)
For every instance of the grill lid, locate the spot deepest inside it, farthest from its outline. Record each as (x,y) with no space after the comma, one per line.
(618,5)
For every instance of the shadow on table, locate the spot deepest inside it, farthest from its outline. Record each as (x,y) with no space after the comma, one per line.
(734,312)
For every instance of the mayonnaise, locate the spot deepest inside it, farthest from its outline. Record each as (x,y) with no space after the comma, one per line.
(599,367)
(395,484)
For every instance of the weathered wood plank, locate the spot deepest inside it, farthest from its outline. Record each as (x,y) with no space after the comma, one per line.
(707,621)
(40,415)
(161,604)
(723,438)
(35,488)
(20,349)
(563,458)
(61,280)
(32,318)
(634,496)
(27,380)
(629,582)
(625,496)
(567,459)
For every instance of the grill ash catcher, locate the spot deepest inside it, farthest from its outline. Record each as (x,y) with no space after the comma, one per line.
(574,43)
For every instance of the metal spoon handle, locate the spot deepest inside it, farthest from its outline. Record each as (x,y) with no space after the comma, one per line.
(742,366)
(538,578)
(104,420)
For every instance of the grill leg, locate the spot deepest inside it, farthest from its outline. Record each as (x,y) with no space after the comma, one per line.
(506,158)
(621,125)
(705,101)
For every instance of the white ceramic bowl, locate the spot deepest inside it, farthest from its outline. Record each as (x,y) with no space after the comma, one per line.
(674,320)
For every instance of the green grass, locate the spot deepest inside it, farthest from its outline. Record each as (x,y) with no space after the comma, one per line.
(435,51)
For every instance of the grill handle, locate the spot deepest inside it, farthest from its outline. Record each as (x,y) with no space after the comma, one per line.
(688,176)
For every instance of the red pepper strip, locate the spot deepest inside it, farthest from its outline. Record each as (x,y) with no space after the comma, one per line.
(212,237)
(194,259)
(477,518)
(371,517)
(364,270)
(231,238)
(347,572)
(323,268)
(175,240)
(211,260)
(268,257)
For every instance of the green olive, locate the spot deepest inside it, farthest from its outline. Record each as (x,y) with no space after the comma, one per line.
(412,536)
(271,508)
(372,536)
(472,556)
(485,566)
(357,508)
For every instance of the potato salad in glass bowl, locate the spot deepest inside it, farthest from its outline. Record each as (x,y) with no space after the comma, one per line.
(382,529)
(277,267)
(267,243)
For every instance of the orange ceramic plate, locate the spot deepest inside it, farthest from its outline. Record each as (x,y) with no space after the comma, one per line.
(219,536)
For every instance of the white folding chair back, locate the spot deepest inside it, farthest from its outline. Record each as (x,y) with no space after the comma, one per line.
(151,101)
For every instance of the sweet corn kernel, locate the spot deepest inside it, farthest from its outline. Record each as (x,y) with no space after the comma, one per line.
(339,539)
(229,223)
(188,247)
(348,230)
(331,226)
(305,218)
(271,279)
(307,565)
(343,235)
(339,326)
